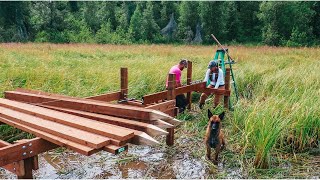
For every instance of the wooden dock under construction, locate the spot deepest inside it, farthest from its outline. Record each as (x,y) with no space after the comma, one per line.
(87,125)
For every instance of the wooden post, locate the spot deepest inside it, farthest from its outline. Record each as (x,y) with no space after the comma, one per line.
(189,79)
(28,166)
(124,83)
(170,96)
(227,87)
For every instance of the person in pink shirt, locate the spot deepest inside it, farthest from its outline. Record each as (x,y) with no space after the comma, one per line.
(181,101)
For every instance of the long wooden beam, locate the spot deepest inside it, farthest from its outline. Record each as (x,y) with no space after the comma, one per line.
(198,87)
(112,96)
(82,149)
(57,129)
(140,126)
(89,106)
(85,124)
(163,106)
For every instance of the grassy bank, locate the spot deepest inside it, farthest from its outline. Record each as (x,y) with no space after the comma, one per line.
(278,111)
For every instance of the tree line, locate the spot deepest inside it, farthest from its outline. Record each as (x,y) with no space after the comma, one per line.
(271,23)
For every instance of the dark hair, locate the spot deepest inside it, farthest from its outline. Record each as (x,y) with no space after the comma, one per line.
(184,62)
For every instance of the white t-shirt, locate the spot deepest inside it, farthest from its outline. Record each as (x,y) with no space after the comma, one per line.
(220,80)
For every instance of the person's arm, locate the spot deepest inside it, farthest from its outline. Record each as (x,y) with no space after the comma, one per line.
(220,79)
(207,76)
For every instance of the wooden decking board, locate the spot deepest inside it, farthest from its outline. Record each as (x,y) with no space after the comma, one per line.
(84,105)
(113,96)
(82,149)
(82,123)
(132,124)
(63,131)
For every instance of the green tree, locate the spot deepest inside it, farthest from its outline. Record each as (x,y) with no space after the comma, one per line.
(250,30)
(136,29)
(315,21)
(14,21)
(212,17)
(48,20)
(233,26)
(151,30)
(188,19)
(286,23)
(106,13)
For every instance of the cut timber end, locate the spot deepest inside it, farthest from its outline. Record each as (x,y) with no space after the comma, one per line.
(160,115)
(155,131)
(162,124)
(115,149)
(142,138)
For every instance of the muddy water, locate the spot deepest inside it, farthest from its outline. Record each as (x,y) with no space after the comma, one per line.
(138,162)
(145,162)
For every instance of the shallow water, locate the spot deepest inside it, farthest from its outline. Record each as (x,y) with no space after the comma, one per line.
(139,162)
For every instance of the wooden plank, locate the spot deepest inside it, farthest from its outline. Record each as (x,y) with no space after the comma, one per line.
(32,91)
(55,140)
(63,131)
(20,151)
(171,94)
(132,103)
(143,138)
(16,168)
(155,97)
(162,124)
(198,87)
(35,165)
(216,91)
(172,112)
(132,124)
(112,96)
(163,106)
(124,83)
(115,149)
(4,143)
(165,117)
(85,105)
(85,124)
(189,79)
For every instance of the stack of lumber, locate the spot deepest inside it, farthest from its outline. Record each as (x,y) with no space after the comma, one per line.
(83,125)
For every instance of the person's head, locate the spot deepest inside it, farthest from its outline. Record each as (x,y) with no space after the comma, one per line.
(213,65)
(183,64)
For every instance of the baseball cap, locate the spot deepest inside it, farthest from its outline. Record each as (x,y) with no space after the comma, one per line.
(212,64)
(184,62)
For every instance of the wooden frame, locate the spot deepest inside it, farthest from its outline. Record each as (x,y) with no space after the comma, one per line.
(21,158)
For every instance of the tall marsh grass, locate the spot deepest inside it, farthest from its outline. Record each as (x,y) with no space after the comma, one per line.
(279,87)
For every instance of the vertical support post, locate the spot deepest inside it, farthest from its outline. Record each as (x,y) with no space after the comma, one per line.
(171,95)
(28,166)
(227,87)
(124,83)
(189,79)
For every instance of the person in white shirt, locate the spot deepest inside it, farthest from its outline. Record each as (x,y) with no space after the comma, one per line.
(214,79)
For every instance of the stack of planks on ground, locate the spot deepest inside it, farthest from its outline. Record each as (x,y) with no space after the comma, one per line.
(83,125)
